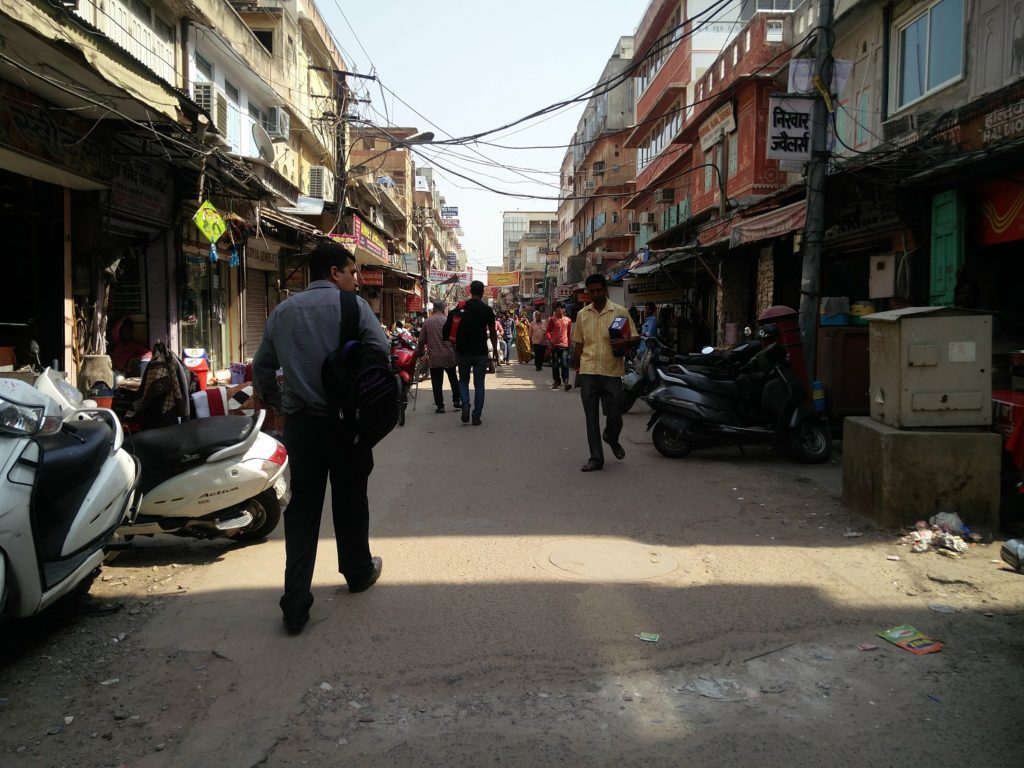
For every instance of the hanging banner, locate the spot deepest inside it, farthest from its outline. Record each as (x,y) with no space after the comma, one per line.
(502,278)
(443,277)
(789,128)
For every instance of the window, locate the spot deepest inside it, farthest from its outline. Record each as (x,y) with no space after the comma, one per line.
(709,161)
(732,145)
(930,51)
(204,68)
(266,38)
(735,54)
(234,116)
(773,30)
(615,217)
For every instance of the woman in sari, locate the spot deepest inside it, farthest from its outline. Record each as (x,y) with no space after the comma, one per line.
(523,349)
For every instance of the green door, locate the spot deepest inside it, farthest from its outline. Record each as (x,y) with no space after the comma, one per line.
(947,245)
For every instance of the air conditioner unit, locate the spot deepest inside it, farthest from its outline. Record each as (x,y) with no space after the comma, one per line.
(905,124)
(589,184)
(211,98)
(278,123)
(666,195)
(321,183)
(648,218)
(634,227)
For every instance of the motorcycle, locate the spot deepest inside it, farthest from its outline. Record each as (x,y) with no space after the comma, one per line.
(641,377)
(403,360)
(66,485)
(765,404)
(220,476)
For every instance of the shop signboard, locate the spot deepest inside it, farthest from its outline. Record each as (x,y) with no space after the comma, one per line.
(371,277)
(411,262)
(552,259)
(563,292)
(414,303)
(453,261)
(789,128)
(713,130)
(257,258)
(449,211)
(450,223)
(1000,212)
(502,278)
(368,239)
(449,277)
(142,187)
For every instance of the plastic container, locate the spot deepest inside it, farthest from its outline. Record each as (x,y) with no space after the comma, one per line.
(818,393)
(840,319)
(200,368)
(859,311)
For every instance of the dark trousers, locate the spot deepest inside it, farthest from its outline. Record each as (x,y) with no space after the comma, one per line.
(560,365)
(318,449)
(477,364)
(539,351)
(604,392)
(437,384)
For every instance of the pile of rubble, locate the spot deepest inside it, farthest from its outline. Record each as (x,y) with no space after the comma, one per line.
(944,533)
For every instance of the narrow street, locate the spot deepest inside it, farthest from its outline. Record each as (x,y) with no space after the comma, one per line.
(504,628)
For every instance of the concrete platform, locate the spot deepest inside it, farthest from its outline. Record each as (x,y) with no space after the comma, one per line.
(896,477)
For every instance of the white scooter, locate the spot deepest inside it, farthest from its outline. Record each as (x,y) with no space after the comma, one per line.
(65,487)
(219,476)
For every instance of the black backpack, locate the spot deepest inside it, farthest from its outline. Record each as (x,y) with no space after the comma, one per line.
(361,387)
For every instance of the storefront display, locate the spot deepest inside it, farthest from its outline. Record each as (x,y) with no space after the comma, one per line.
(205,304)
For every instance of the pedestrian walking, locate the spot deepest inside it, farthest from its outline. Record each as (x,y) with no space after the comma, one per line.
(523,345)
(475,328)
(538,333)
(599,370)
(509,330)
(300,333)
(440,357)
(558,333)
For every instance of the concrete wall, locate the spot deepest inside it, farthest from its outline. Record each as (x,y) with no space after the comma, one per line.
(897,477)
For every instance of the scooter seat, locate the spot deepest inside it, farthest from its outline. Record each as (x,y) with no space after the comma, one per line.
(167,451)
(69,463)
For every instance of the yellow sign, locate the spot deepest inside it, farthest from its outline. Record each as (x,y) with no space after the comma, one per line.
(502,278)
(209,222)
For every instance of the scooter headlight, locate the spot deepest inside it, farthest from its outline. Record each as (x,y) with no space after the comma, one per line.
(18,419)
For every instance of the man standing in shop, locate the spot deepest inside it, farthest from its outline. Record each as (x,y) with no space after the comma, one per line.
(599,364)
(441,357)
(301,332)
(475,326)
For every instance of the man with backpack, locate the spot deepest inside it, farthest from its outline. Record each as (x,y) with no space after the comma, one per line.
(300,334)
(475,324)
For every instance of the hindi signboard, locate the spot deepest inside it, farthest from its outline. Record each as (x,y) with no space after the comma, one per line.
(502,278)
(445,277)
(450,223)
(789,128)
(449,211)
(713,130)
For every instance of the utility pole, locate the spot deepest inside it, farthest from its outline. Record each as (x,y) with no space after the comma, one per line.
(817,169)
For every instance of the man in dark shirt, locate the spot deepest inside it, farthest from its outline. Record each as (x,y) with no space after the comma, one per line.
(300,333)
(476,325)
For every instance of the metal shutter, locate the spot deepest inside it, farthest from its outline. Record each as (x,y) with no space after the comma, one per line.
(255,310)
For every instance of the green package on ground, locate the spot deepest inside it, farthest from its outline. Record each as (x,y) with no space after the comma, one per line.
(910,639)
(649,637)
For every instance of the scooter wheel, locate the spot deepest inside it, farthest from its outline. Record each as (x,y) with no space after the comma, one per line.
(628,401)
(811,442)
(266,514)
(670,440)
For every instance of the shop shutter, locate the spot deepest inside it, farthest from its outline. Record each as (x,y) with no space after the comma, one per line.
(947,246)
(255,310)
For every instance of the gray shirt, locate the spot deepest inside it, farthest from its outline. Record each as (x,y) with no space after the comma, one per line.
(300,333)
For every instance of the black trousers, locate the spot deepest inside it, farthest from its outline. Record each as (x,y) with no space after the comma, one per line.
(539,351)
(437,384)
(604,393)
(318,449)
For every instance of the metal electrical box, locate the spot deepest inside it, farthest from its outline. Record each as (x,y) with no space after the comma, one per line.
(931,367)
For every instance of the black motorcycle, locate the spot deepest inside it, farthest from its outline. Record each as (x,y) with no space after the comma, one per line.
(765,403)
(641,377)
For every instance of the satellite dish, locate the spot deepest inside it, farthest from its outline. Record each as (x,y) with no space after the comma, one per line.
(263,142)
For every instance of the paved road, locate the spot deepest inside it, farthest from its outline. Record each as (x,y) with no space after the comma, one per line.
(504,628)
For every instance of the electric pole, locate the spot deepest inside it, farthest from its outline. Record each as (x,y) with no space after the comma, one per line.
(817,170)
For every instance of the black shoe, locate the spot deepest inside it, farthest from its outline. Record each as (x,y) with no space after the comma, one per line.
(557,385)
(617,450)
(439,409)
(457,405)
(295,624)
(465,413)
(568,387)
(476,421)
(362,586)
(591,466)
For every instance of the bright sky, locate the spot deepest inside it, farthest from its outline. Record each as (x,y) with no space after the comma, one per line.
(468,66)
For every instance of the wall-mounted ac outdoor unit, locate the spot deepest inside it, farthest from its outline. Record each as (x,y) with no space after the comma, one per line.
(589,184)
(666,195)
(648,218)
(321,183)
(278,123)
(634,227)
(211,98)
(904,124)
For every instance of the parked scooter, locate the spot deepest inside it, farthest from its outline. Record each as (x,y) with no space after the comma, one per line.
(403,358)
(65,486)
(765,404)
(641,377)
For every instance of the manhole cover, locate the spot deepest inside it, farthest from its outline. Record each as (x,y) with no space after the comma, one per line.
(608,560)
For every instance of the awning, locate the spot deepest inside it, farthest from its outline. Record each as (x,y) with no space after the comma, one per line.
(653,266)
(781,221)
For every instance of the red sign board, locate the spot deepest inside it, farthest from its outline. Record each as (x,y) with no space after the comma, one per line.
(1000,213)
(414,303)
(371,277)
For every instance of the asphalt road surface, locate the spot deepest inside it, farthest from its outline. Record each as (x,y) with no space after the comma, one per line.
(504,630)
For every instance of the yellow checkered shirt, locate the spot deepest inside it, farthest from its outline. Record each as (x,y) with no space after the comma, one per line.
(591,330)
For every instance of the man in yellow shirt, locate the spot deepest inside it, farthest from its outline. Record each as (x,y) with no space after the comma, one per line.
(599,371)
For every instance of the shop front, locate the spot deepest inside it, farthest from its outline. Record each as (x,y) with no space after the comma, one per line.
(683,293)
(261,279)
